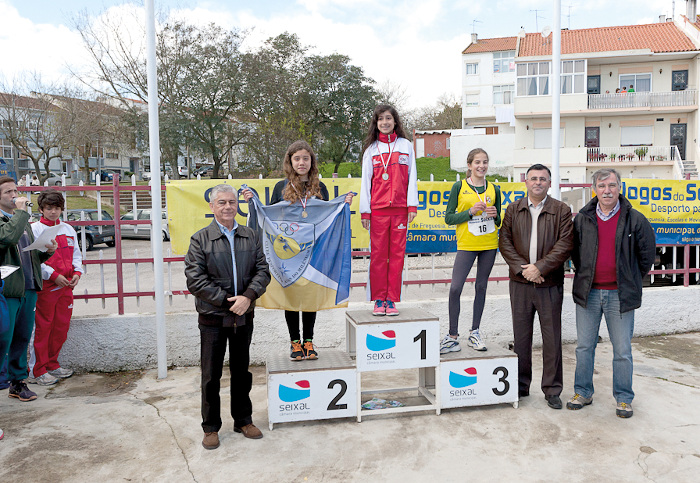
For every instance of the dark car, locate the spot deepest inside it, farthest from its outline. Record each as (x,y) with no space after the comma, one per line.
(109,174)
(204,171)
(92,232)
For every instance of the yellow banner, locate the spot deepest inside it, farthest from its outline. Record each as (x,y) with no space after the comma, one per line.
(188,210)
(673,208)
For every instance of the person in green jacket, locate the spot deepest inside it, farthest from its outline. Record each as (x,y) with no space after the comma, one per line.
(21,286)
(474,206)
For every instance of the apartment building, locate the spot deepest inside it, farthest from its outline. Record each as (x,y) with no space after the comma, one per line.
(628,97)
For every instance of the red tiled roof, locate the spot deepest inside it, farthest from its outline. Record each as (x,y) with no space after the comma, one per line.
(491,45)
(657,37)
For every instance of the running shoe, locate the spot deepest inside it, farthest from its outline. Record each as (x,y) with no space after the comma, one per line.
(309,350)
(578,402)
(297,353)
(379,308)
(624,410)
(61,373)
(449,344)
(390,308)
(475,341)
(45,379)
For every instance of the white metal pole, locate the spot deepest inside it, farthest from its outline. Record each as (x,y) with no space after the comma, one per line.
(556,93)
(156,204)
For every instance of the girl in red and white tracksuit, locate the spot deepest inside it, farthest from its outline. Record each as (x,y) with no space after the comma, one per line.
(388,203)
(54,306)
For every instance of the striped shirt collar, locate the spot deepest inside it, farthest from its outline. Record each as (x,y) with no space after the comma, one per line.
(602,215)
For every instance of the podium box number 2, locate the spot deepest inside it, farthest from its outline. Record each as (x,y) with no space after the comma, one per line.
(325,388)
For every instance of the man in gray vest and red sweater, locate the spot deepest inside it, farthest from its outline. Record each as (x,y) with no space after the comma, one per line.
(614,249)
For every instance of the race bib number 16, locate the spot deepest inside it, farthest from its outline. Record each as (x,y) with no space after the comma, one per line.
(481,225)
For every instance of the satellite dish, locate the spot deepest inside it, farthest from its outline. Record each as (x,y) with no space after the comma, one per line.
(546,31)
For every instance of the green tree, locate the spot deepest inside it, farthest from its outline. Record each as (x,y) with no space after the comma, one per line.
(199,83)
(272,77)
(338,99)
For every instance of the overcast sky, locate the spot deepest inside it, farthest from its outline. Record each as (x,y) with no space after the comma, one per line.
(413,43)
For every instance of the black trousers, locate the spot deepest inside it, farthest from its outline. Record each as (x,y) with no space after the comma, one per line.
(292,318)
(213,350)
(525,300)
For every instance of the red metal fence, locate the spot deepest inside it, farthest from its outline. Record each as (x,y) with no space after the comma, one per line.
(116,189)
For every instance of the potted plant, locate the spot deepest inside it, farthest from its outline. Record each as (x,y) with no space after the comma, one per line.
(641,152)
(613,156)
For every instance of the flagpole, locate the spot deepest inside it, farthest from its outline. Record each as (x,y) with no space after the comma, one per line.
(156,203)
(556,94)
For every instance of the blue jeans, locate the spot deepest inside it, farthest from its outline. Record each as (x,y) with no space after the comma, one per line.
(620,329)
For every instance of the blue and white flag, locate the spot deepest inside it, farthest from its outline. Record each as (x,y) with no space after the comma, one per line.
(310,257)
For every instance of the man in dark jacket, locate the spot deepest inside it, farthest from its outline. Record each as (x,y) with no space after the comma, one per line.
(535,240)
(614,249)
(21,286)
(226,271)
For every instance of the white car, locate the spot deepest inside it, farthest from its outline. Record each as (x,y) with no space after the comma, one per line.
(144,231)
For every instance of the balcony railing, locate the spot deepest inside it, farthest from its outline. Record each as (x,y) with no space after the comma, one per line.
(687,97)
(624,154)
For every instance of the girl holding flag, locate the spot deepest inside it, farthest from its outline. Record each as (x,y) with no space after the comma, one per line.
(300,185)
(475,207)
(388,204)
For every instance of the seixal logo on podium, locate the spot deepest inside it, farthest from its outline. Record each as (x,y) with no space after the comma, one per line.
(292,395)
(387,340)
(460,381)
(379,345)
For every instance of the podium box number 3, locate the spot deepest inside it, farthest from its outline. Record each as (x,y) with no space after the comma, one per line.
(468,378)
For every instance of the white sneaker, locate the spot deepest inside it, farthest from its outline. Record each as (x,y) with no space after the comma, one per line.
(61,373)
(43,380)
(475,341)
(449,344)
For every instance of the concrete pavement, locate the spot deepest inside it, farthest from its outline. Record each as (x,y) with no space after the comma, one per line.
(133,427)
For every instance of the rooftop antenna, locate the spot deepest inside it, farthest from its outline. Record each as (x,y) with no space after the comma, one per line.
(474,22)
(537,16)
(568,16)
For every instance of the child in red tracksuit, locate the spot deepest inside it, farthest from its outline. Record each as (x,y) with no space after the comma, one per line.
(54,305)
(388,203)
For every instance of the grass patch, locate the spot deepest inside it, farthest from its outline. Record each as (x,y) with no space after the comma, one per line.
(438,167)
(76,202)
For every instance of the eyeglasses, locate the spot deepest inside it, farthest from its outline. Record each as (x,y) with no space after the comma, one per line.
(541,179)
(601,187)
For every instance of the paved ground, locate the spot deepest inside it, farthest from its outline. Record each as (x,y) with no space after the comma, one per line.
(132,427)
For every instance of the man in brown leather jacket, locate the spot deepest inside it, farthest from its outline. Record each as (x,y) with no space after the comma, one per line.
(535,258)
(226,271)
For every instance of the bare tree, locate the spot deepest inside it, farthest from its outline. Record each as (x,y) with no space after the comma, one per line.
(99,127)
(34,121)
(198,79)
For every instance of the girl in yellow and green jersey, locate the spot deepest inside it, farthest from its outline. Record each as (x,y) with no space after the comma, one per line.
(474,207)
